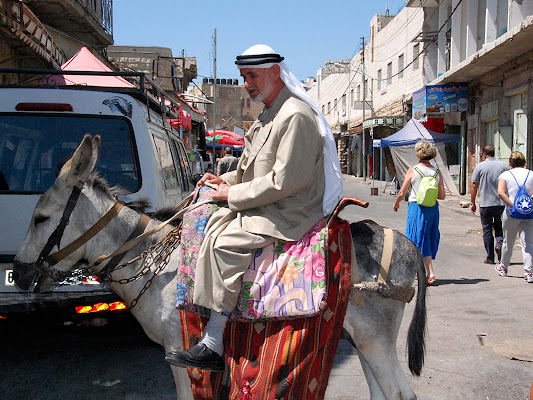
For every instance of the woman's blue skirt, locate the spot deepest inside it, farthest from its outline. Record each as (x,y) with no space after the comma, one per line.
(423,228)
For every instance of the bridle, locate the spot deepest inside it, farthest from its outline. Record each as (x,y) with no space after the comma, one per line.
(55,238)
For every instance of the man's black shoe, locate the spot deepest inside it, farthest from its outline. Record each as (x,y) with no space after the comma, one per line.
(198,356)
(498,251)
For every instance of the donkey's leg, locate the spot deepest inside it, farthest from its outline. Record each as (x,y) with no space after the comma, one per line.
(183,384)
(373,386)
(374,329)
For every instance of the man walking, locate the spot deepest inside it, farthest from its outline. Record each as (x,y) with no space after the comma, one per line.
(485,180)
(227,163)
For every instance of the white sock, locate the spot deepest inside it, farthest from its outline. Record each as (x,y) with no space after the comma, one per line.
(214,332)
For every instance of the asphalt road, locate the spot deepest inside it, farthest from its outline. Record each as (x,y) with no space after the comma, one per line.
(473,317)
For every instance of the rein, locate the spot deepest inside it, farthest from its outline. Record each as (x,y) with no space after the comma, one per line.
(135,241)
(158,254)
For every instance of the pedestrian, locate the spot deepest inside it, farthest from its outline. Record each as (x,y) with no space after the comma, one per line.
(485,182)
(228,162)
(287,179)
(509,184)
(422,222)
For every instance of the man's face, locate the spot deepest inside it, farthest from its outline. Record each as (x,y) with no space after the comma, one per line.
(258,82)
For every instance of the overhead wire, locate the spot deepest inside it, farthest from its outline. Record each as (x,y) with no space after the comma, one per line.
(389,57)
(424,49)
(404,26)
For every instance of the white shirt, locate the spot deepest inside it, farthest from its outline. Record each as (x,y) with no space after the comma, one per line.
(415,181)
(520,175)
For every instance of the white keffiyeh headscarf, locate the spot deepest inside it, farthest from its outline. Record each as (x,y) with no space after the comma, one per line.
(263,56)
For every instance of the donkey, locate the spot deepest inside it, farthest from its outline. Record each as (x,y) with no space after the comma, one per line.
(372,329)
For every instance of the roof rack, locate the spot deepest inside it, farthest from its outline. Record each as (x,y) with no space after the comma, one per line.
(145,90)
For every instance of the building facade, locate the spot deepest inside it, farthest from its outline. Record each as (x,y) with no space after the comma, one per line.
(489,46)
(369,96)
(484,44)
(233,107)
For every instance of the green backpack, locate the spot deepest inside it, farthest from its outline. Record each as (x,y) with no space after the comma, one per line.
(428,189)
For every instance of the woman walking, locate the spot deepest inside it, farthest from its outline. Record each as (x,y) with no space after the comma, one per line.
(422,221)
(509,184)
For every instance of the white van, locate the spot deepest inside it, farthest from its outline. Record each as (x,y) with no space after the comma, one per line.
(39,130)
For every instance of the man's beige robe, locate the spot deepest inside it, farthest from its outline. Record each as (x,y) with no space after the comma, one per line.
(276,193)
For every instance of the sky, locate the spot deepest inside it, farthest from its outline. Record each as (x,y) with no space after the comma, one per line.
(305,32)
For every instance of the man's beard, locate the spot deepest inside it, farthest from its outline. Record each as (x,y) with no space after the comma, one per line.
(267,90)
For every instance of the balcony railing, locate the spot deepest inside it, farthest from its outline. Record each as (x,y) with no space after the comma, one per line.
(107,16)
(90,21)
(101,11)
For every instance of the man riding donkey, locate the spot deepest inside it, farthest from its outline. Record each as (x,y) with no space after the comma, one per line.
(288,178)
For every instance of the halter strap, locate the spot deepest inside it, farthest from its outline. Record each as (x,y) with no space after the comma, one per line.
(88,235)
(55,237)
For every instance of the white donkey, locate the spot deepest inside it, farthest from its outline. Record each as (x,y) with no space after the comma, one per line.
(373,329)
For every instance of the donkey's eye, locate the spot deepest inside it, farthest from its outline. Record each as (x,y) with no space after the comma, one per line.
(39,220)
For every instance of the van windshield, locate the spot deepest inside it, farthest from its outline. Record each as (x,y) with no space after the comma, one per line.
(33,148)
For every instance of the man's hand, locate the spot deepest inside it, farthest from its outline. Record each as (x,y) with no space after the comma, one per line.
(222,192)
(472,208)
(209,178)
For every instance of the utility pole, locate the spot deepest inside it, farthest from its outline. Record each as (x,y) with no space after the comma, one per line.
(214,98)
(363,152)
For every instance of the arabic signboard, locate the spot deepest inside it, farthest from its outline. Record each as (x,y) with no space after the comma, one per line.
(440,99)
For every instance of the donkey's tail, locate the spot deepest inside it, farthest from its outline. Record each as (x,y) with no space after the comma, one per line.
(416,337)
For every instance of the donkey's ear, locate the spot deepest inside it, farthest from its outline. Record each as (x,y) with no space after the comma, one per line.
(96,151)
(80,164)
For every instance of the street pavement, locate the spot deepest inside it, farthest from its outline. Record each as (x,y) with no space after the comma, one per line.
(479,324)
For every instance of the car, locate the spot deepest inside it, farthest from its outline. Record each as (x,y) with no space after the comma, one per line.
(41,126)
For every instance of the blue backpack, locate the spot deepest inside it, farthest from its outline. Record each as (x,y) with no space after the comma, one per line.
(522,206)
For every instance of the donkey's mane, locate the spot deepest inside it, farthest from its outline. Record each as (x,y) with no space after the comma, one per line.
(141,204)
(166,213)
(99,183)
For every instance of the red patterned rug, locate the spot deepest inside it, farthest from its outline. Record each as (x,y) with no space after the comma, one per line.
(289,360)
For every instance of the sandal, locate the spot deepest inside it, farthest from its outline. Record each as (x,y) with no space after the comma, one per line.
(431,279)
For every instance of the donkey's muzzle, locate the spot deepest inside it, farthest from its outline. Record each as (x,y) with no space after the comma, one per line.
(24,274)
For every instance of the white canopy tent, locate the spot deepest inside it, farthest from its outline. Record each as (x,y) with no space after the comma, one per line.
(402,148)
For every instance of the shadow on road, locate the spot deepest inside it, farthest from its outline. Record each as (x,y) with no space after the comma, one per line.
(461,281)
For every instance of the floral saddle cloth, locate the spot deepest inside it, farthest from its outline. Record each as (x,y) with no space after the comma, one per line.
(285,280)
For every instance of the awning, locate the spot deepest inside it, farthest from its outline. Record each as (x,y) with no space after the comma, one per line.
(413,132)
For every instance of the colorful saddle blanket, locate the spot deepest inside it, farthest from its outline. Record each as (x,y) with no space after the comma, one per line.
(289,359)
(285,280)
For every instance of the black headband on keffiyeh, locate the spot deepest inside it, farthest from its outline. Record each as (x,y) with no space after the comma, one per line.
(256,59)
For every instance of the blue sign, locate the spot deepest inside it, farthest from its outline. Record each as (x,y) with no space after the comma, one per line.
(439,99)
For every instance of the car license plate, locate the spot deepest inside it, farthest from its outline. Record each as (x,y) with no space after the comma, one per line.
(9,278)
